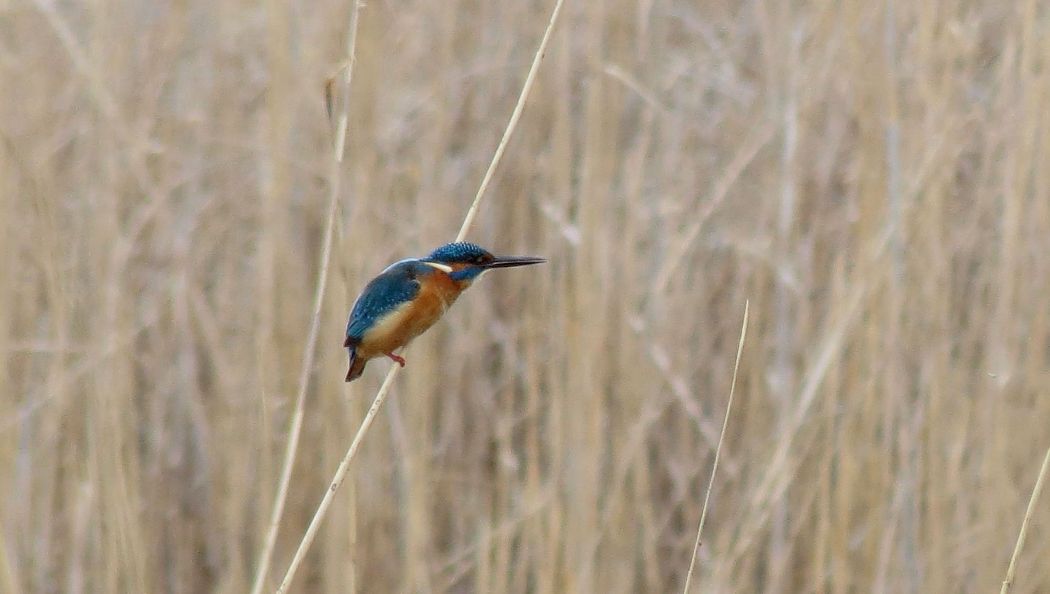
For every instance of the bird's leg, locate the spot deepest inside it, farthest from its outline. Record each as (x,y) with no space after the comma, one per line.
(400,360)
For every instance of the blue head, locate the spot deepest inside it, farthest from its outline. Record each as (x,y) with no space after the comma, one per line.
(467,260)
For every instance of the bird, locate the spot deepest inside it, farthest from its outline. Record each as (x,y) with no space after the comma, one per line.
(409,296)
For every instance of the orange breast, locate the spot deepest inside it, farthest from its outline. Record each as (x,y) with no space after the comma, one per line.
(437,292)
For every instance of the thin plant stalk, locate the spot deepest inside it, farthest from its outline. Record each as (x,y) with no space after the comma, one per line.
(384,389)
(1011,571)
(718,451)
(337,480)
(296,422)
(512,124)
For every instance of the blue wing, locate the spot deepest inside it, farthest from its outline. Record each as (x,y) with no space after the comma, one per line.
(394,286)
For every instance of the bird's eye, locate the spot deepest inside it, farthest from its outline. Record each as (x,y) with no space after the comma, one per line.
(479,259)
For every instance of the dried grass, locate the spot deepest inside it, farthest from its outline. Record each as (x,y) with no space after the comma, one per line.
(871,177)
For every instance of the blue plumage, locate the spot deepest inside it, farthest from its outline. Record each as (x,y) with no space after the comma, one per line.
(394,286)
(474,256)
(460,252)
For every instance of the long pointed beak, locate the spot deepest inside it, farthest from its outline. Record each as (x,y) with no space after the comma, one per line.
(511,261)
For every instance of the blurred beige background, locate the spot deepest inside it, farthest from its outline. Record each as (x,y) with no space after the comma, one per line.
(870,175)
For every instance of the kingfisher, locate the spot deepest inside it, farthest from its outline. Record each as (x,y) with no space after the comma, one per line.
(411,295)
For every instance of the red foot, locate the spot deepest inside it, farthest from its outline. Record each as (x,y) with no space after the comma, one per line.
(400,360)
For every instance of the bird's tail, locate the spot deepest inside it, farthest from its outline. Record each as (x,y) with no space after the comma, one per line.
(357,365)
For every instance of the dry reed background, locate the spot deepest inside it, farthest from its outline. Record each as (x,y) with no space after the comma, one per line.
(872,175)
